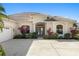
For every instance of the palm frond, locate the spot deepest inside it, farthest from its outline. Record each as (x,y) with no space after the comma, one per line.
(2,15)
(2,8)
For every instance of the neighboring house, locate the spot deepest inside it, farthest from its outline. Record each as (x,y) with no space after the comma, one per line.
(40,23)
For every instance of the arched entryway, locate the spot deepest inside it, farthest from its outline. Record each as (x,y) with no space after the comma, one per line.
(40,28)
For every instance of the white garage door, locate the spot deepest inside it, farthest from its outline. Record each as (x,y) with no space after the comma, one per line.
(7,34)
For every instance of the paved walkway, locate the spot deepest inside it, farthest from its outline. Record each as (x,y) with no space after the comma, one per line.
(40,47)
(54,48)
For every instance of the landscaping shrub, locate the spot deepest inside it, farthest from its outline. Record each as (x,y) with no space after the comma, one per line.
(2,53)
(67,35)
(26,36)
(76,36)
(19,37)
(74,32)
(45,36)
(34,35)
(53,36)
(60,37)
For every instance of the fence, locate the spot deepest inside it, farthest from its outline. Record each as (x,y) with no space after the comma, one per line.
(7,34)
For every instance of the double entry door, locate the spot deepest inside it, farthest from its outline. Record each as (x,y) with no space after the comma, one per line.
(40,31)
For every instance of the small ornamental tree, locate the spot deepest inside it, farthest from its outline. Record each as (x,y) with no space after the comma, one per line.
(51,34)
(24,29)
(49,31)
(74,32)
(2,15)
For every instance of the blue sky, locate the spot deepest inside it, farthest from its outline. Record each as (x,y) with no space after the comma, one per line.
(55,9)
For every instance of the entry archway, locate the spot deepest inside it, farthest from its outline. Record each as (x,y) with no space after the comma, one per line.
(40,28)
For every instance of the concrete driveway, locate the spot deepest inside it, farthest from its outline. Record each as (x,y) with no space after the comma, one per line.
(54,48)
(17,47)
(41,47)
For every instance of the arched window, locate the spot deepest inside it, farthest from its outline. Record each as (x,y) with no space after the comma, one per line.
(59,29)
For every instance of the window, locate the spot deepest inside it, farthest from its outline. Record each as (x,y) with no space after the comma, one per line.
(59,29)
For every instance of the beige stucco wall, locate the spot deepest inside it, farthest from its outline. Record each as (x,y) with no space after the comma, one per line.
(32,18)
(48,24)
(24,22)
(10,24)
(53,24)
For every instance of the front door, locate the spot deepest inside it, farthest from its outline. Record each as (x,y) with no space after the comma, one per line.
(40,30)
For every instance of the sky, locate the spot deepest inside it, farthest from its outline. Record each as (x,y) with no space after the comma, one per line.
(69,10)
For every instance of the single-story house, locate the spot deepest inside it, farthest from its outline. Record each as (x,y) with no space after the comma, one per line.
(40,23)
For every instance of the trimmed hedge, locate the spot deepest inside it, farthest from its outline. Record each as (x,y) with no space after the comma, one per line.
(27,36)
(60,37)
(67,35)
(76,36)
(53,36)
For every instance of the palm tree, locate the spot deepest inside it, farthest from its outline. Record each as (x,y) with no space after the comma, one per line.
(2,15)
